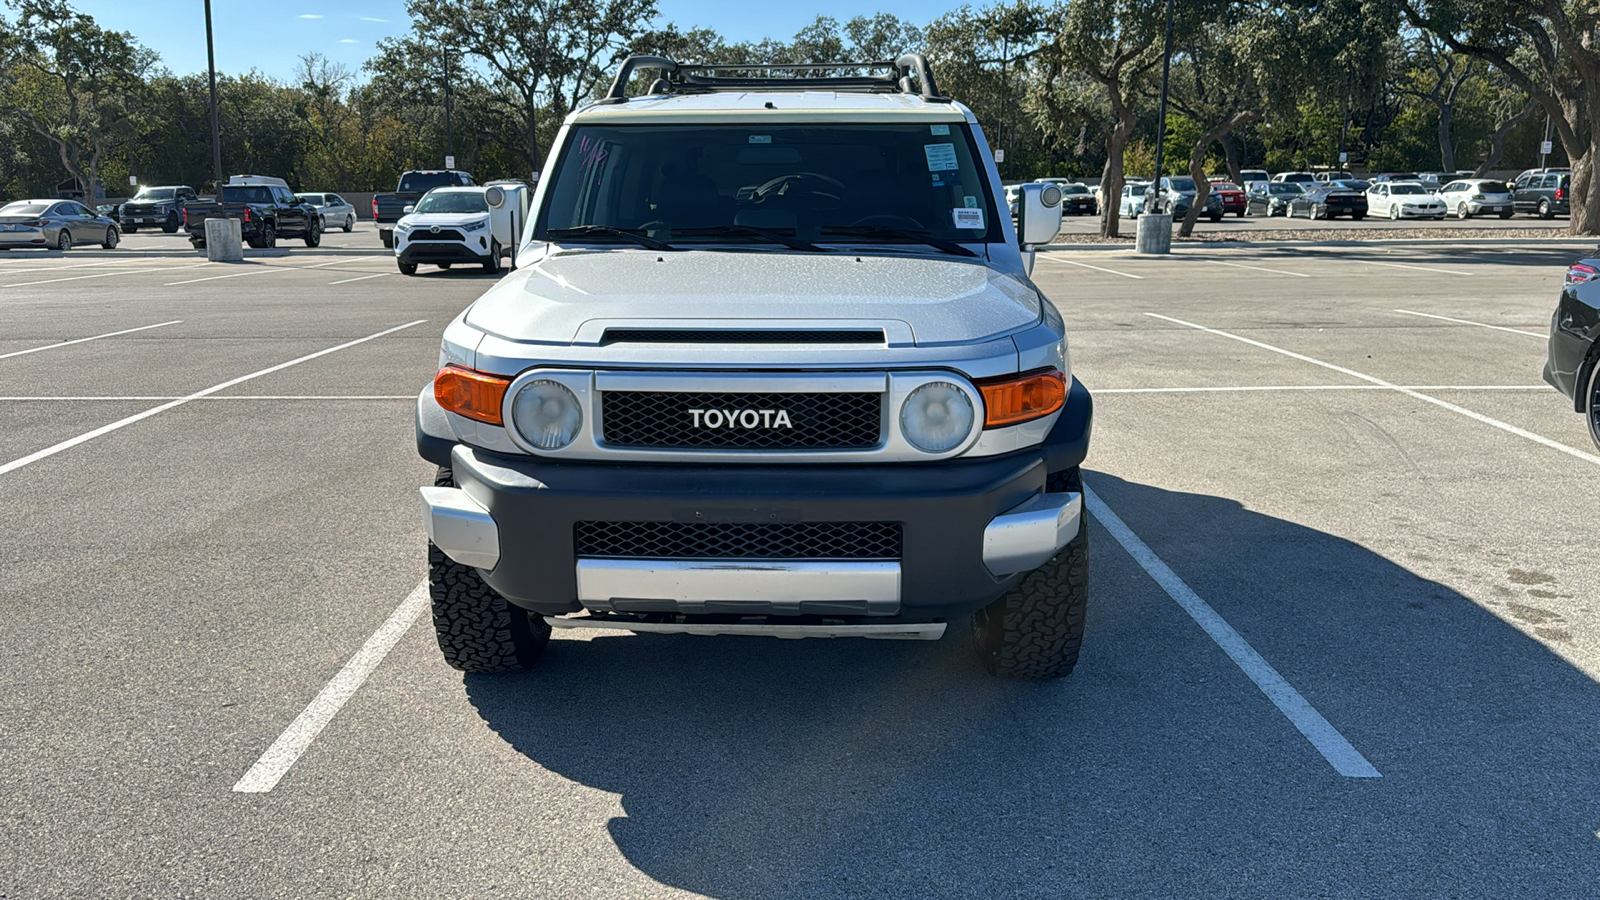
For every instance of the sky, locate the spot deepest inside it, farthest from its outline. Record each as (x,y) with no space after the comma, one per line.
(271,37)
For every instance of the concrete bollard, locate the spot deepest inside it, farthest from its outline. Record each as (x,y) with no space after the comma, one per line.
(223,240)
(1155,234)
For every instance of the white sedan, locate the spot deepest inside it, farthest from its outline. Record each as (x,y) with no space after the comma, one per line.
(1468,197)
(1403,200)
(335,212)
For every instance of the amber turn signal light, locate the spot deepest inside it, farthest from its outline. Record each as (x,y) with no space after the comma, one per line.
(1022,398)
(476,395)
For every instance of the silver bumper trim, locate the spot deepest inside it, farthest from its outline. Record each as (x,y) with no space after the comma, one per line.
(460,526)
(1026,536)
(930,631)
(698,587)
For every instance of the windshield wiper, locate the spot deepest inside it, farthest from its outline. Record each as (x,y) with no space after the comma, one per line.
(922,237)
(626,234)
(793,243)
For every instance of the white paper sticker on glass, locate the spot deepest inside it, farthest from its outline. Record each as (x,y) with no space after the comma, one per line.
(968,218)
(941,157)
(939,129)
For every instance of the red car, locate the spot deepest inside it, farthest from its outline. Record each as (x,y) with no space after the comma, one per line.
(1232,197)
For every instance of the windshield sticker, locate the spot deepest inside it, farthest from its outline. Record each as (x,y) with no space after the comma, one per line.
(760,138)
(941,157)
(970,201)
(940,179)
(939,129)
(968,218)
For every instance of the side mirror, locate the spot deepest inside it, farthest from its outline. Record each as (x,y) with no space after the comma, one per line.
(1038,214)
(409,208)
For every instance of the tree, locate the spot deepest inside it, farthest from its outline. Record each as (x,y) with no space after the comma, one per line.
(1436,75)
(74,83)
(1547,48)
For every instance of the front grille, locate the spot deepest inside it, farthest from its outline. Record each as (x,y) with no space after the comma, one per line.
(740,336)
(445,234)
(736,540)
(666,420)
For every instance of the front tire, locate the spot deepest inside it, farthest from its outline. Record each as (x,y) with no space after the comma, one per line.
(171,225)
(110,243)
(1035,631)
(349,223)
(407,268)
(1462,212)
(314,233)
(479,630)
(1394,213)
(492,265)
(1591,402)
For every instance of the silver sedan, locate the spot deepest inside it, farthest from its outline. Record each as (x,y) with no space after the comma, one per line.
(335,211)
(54,225)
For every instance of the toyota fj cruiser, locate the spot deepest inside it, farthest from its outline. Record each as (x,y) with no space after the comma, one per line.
(772,363)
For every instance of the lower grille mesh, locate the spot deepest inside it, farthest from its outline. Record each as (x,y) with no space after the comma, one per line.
(738,540)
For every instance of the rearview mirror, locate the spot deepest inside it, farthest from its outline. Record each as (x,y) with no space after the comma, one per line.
(1038,214)
(409,208)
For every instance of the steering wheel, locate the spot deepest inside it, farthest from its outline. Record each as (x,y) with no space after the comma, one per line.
(889,220)
(810,182)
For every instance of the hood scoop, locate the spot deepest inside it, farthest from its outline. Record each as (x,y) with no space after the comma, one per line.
(741,336)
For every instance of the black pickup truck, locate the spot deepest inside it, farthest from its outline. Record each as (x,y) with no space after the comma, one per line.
(388,208)
(265,212)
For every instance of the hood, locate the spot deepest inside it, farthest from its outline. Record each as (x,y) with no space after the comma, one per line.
(939,300)
(453,220)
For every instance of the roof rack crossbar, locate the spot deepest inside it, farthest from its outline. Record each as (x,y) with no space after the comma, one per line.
(687,78)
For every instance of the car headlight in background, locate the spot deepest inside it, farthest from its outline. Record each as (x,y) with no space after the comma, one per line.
(402,227)
(936,417)
(546,414)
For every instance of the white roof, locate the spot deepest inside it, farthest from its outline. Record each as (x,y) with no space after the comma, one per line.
(786,107)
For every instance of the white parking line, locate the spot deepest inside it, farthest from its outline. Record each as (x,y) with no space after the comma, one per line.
(273,764)
(1257,268)
(1231,389)
(1339,752)
(105,275)
(107,429)
(362,278)
(83,340)
(1475,416)
(1087,266)
(1533,334)
(1372,262)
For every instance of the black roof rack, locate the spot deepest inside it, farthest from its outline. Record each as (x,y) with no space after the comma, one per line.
(898,77)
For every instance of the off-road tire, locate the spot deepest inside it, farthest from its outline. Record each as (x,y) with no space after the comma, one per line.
(314,233)
(172,224)
(407,268)
(479,630)
(1035,631)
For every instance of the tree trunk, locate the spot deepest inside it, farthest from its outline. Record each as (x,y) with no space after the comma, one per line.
(1111,177)
(1447,150)
(1197,166)
(1230,152)
(1585,201)
(1497,144)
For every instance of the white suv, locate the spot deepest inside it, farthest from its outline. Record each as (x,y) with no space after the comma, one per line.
(771,363)
(448,225)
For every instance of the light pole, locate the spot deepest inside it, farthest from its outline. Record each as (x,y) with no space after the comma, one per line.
(216,133)
(1155,228)
(449,136)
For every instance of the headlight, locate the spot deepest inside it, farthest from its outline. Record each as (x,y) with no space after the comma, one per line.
(476,226)
(402,227)
(546,414)
(936,417)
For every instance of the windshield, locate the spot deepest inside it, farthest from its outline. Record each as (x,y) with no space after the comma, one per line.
(313,199)
(692,184)
(1181,184)
(1286,187)
(452,202)
(24,208)
(1225,186)
(1074,189)
(426,181)
(1406,189)
(246,194)
(154,194)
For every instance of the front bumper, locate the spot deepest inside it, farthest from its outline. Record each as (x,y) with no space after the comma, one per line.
(970,529)
(1421,212)
(439,251)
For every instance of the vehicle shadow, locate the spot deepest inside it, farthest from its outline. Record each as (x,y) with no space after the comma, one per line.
(763,768)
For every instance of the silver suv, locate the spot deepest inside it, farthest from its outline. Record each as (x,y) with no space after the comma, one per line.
(771,364)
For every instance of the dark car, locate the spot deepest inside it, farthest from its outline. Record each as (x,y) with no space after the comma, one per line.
(156,207)
(1232,196)
(1271,199)
(1329,201)
(1077,200)
(1178,191)
(266,211)
(1546,195)
(1573,362)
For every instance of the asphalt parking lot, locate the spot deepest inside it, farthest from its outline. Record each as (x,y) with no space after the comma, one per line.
(1343,638)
